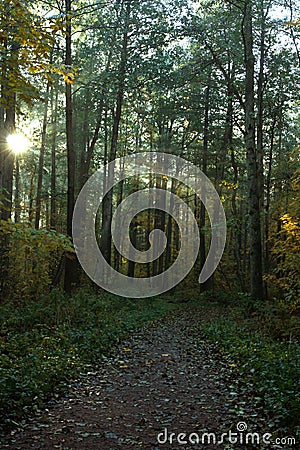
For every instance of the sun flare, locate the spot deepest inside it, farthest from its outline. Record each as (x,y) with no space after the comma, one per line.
(18,143)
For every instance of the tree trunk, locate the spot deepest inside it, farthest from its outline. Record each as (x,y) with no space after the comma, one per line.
(70,266)
(268,195)
(260,140)
(107,204)
(169,230)
(7,164)
(87,153)
(7,126)
(17,192)
(202,220)
(256,280)
(157,225)
(41,161)
(133,235)
(54,108)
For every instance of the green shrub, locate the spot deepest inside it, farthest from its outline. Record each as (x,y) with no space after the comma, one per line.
(29,257)
(270,365)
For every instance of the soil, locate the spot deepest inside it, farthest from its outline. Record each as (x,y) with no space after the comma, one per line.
(164,379)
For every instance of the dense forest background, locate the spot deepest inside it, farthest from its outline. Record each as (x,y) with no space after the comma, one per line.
(217,84)
(84,82)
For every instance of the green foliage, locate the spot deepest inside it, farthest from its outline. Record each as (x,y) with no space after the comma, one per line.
(269,366)
(24,43)
(30,255)
(287,271)
(44,344)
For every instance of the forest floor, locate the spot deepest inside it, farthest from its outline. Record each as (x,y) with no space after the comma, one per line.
(165,378)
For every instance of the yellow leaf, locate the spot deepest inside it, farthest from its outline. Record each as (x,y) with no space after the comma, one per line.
(69,78)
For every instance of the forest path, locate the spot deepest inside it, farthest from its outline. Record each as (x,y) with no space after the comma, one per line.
(165,376)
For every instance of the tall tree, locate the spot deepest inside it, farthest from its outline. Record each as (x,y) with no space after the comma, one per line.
(105,242)
(41,161)
(70,264)
(256,274)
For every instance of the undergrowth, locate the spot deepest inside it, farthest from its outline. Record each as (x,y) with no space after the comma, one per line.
(263,340)
(45,343)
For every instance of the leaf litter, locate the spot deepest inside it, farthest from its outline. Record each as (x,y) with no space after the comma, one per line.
(164,376)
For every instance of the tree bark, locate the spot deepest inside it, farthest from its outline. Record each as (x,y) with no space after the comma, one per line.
(41,161)
(70,265)
(17,192)
(202,219)
(7,126)
(107,204)
(87,154)
(268,194)
(254,194)
(54,108)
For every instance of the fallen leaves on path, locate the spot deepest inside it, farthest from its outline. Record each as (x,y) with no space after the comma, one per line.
(164,377)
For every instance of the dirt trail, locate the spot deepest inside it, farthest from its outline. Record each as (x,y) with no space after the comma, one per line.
(163,378)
